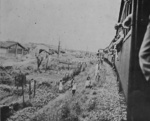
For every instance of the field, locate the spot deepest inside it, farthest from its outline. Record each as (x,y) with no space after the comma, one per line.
(44,102)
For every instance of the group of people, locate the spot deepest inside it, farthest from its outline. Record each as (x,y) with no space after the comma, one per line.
(100,61)
(144,52)
(97,69)
(73,85)
(100,57)
(116,43)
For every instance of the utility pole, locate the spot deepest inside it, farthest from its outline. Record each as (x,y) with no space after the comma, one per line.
(87,50)
(58,47)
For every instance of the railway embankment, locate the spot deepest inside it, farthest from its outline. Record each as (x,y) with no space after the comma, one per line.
(99,103)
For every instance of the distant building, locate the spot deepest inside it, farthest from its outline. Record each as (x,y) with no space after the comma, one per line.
(12,48)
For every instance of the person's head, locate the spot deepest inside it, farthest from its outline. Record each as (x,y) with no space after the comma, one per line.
(117,26)
(88,78)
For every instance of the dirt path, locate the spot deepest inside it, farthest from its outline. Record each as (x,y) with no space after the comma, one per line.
(43,114)
(63,96)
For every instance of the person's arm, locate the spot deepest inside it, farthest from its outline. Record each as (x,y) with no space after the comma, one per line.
(144,54)
(120,38)
(112,44)
(117,25)
(127,22)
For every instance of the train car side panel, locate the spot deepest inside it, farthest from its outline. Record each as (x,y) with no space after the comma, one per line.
(122,65)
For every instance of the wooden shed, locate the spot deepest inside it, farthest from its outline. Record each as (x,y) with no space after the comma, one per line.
(12,48)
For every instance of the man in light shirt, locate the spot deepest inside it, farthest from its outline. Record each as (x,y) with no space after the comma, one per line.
(88,82)
(144,54)
(60,86)
(96,74)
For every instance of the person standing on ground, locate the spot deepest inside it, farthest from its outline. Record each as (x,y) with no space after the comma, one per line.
(60,86)
(96,74)
(74,88)
(102,58)
(88,82)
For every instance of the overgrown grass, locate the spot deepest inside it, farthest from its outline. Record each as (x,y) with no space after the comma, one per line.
(74,73)
(67,113)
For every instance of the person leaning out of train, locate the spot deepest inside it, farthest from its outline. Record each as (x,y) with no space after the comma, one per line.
(118,43)
(126,24)
(144,54)
(118,39)
(112,48)
(102,57)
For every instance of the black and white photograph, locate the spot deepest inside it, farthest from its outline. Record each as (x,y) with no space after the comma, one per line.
(74,60)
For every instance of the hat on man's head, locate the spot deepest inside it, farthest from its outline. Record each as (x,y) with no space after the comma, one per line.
(117,25)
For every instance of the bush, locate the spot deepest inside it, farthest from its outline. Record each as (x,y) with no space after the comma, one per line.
(94,93)
(65,112)
(94,84)
(91,105)
(74,73)
(6,81)
(66,78)
(91,62)
(84,99)
(43,84)
(72,117)
(7,90)
(77,108)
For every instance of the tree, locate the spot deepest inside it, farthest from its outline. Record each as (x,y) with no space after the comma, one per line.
(39,61)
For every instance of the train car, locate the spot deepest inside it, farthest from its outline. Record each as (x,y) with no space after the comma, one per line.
(136,89)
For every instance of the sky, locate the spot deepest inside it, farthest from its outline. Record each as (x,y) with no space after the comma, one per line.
(78,24)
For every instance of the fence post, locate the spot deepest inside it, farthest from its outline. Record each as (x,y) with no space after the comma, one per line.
(23,92)
(29,89)
(68,66)
(34,87)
